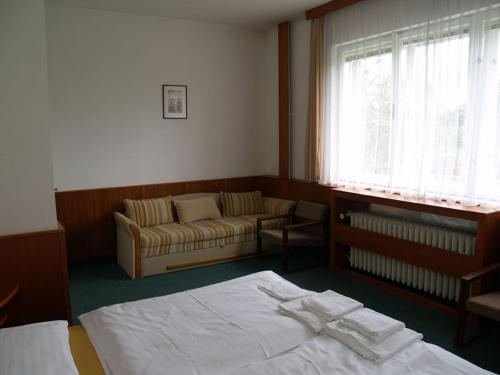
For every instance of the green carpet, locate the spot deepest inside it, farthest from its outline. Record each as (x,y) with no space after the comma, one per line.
(104,283)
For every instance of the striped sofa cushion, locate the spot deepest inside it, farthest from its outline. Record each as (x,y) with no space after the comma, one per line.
(276,206)
(237,204)
(167,239)
(149,212)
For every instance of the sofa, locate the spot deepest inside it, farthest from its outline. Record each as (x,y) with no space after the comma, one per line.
(176,232)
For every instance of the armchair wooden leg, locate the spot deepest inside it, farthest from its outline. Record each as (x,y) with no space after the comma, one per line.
(460,329)
(285,259)
(259,246)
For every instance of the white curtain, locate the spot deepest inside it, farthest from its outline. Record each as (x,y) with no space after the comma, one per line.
(413,98)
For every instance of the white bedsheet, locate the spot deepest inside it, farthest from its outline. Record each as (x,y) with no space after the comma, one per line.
(36,349)
(235,328)
(211,330)
(325,356)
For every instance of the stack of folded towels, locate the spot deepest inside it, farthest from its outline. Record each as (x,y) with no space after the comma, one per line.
(372,335)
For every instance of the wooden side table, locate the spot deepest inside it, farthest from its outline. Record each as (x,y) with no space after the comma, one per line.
(5,297)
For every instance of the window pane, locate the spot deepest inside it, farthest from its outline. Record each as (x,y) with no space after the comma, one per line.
(433,91)
(366,108)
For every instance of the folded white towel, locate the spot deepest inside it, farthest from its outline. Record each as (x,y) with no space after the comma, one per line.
(372,324)
(367,348)
(284,291)
(330,305)
(296,310)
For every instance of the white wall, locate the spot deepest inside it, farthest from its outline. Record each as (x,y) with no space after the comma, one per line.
(299,77)
(26,180)
(105,72)
(268,136)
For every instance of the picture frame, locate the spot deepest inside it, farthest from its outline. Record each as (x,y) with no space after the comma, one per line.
(174,101)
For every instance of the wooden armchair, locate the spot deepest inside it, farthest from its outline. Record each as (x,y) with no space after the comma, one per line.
(486,305)
(307,227)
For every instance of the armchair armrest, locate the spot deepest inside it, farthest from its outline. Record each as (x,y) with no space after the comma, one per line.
(261,219)
(481,273)
(467,280)
(302,225)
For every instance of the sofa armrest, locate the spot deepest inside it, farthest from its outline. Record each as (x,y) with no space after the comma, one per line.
(129,252)
(124,222)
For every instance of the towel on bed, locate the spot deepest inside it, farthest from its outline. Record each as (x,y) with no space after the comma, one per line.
(369,349)
(296,310)
(330,305)
(284,291)
(372,324)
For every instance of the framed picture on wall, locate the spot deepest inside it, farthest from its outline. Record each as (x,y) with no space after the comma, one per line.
(174,101)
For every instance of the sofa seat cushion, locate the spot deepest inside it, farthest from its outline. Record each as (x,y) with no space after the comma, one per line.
(164,239)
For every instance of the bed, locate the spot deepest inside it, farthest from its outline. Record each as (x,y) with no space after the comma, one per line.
(226,328)
(234,328)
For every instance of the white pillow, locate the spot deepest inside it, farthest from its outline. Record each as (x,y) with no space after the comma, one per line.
(36,349)
(196,209)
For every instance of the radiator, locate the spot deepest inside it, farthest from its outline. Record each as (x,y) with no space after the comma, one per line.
(431,282)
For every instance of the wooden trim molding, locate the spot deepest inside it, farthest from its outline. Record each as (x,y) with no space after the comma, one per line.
(208,261)
(329,7)
(37,263)
(284,98)
(138,251)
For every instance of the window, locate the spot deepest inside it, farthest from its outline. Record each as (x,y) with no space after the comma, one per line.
(417,110)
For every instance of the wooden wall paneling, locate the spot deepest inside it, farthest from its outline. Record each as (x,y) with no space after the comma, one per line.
(76,212)
(163,190)
(37,262)
(103,231)
(269,185)
(284,98)
(240,184)
(329,7)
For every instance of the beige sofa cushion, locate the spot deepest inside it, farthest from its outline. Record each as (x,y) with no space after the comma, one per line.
(189,210)
(149,212)
(237,204)
(277,206)
(171,238)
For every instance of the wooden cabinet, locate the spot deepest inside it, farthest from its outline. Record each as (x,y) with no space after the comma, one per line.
(34,283)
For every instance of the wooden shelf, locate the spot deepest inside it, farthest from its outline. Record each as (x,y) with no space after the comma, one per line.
(474,213)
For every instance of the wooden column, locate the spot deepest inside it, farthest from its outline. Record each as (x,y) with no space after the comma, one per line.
(284,99)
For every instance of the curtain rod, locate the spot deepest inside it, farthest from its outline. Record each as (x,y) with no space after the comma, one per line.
(329,7)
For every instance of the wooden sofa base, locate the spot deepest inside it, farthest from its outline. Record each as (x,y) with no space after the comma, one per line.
(197,258)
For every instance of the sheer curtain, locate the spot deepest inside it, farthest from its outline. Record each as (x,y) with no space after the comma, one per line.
(412,99)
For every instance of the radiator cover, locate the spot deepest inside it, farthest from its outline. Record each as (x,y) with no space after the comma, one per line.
(431,282)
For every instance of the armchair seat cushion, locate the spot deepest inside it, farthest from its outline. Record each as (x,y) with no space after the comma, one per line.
(487,305)
(295,237)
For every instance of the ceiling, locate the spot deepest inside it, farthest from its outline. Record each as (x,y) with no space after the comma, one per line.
(258,14)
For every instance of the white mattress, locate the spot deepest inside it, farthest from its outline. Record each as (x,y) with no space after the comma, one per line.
(234,328)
